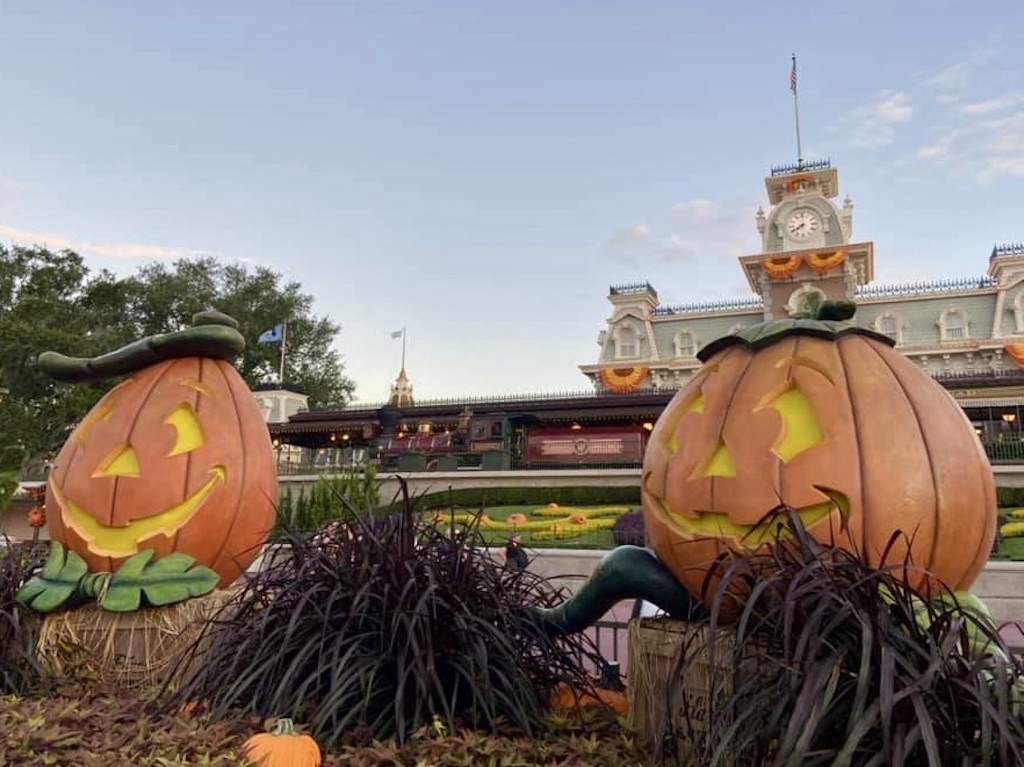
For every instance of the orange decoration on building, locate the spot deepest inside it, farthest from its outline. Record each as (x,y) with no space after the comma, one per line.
(823,262)
(1016,351)
(794,183)
(781,268)
(624,380)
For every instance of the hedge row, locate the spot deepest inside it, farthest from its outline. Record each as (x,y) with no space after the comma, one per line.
(474,497)
(1010,496)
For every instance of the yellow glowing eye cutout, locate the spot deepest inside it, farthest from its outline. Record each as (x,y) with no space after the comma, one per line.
(800,428)
(122,462)
(187,428)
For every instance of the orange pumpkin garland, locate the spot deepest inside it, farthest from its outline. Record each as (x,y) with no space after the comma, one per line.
(283,747)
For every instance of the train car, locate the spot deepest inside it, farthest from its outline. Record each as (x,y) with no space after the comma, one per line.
(600,446)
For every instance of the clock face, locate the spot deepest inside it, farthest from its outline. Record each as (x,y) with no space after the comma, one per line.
(802,224)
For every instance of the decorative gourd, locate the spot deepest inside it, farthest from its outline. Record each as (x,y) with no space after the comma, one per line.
(827,418)
(177,458)
(564,698)
(284,747)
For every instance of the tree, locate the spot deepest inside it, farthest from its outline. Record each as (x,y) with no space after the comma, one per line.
(164,298)
(52,301)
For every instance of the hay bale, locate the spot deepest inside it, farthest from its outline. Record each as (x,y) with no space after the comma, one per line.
(128,650)
(660,703)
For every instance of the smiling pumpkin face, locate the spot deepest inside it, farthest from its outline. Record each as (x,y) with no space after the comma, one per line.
(833,422)
(176,458)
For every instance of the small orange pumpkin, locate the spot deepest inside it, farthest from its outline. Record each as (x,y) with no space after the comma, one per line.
(828,418)
(564,698)
(516,520)
(283,747)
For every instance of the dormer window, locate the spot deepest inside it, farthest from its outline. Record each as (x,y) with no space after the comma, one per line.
(686,344)
(889,325)
(953,325)
(625,343)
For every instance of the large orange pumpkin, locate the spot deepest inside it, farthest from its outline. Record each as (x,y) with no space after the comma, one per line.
(803,411)
(176,458)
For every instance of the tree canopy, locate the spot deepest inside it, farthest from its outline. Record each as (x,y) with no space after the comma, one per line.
(53,301)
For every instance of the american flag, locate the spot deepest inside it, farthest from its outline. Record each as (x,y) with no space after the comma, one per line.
(792,76)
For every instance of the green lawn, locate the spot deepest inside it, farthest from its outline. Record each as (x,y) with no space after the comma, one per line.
(586,539)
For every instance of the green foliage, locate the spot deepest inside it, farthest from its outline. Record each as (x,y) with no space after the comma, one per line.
(52,301)
(1007,497)
(391,624)
(8,487)
(333,499)
(835,662)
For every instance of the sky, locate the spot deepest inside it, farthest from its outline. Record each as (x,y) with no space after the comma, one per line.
(479,173)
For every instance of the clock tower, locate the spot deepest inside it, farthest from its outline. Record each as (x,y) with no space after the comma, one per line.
(806,247)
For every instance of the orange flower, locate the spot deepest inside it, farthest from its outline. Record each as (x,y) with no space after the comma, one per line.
(822,262)
(624,380)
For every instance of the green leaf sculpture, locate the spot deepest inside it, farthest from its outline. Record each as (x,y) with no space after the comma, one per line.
(168,580)
(66,577)
(56,583)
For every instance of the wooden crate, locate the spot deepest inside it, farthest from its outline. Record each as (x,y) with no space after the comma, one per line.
(656,697)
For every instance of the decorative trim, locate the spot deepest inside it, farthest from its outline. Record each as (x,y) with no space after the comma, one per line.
(781,268)
(624,380)
(822,263)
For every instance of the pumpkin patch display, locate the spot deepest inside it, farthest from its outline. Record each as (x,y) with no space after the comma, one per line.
(176,458)
(827,418)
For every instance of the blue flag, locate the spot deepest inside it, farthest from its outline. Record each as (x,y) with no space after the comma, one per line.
(272,336)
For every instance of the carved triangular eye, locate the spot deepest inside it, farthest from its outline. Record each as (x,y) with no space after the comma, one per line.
(188,430)
(800,427)
(122,462)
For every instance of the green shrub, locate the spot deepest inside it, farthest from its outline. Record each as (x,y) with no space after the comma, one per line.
(475,497)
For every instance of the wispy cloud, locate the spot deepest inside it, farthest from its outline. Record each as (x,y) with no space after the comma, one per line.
(982,138)
(699,228)
(874,124)
(117,251)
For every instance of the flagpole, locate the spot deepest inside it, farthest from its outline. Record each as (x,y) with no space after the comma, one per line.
(796,114)
(404,335)
(284,339)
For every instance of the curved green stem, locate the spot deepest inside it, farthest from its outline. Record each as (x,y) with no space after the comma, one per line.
(626,572)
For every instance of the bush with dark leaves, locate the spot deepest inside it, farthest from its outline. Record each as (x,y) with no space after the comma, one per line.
(19,626)
(389,623)
(836,662)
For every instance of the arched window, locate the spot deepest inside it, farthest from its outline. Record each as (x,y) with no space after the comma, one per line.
(953,325)
(889,325)
(804,300)
(686,344)
(625,342)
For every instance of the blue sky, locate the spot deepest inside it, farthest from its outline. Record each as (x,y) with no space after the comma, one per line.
(481,172)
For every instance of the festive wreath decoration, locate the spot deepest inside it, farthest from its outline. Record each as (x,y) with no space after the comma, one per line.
(781,268)
(794,183)
(1016,351)
(823,262)
(624,380)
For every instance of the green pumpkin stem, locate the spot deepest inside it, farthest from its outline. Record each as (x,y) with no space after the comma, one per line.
(213,335)
(284,726)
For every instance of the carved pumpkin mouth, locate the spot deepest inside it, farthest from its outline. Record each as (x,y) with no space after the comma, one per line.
(710,524)
(106,541)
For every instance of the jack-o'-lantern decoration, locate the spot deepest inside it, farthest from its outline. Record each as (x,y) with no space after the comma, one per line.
(827,418)
(176,458)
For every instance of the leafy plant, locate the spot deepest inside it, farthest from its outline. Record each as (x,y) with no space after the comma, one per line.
(835,662)
(389,623)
